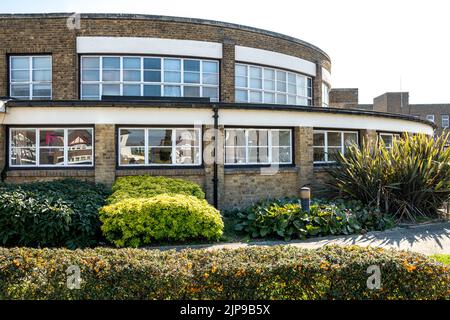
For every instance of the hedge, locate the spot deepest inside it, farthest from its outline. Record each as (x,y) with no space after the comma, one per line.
(141,221)
(282,272)
(148,186)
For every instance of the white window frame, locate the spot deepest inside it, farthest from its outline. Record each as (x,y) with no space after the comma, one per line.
(389,134)
(275,92)
(430,117)
(445,117)
(325,145)
(269,146)
(173,146)
(38,147)
(30,81)
(325,95)
(142,83)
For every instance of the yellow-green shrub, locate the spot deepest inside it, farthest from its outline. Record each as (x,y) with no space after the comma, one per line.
(139,221)
(148,186)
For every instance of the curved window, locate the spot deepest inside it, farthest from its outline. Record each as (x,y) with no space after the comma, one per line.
(148,76)
(257,84)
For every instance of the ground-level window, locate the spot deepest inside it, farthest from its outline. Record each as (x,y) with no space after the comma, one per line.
(159,146)
(50,147)
(445,121)
(30,77)
(328,143)
(388,138)
(247,146)
(148,76)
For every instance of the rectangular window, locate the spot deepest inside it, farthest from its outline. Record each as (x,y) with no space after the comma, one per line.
(159,146)
(258,146)
(30,77)
(327,144)
(430,117)
(445,121)
(257,84)
(325,95)
(50,147)
(149,77)
(388,139)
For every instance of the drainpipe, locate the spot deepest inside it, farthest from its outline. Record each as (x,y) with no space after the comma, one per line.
(216,145)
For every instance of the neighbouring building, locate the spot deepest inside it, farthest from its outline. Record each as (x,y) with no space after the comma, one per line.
(99,96)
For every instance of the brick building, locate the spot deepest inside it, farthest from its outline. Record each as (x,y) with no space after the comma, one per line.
(97,96)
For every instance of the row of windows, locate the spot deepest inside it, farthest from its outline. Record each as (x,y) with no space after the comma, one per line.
(444,118)
(31,78)
(50,147)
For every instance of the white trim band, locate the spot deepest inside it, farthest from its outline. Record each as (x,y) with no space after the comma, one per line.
(274,59)
(156,46)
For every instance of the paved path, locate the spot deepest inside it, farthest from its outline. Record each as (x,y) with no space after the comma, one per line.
(429,238)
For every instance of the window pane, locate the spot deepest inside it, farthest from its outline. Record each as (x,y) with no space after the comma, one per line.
(152,76)
(131,90)
(111,63)
(255,96)
(210,78)
(131,75)
(42,90)
(187,155)
(186,137)
(159,137)
(319,139)
(269,97)
(281,98)
(23,138)
(23,157)
(281,76)
(51,138)
(258,155)
(235,155)
(132,137)
(79,144)
(20,63)
(111,90)
(191,65)
(190,77)
(269,74)
(111,75)
(172,91)
(132,155)
(281,138)
(235,138)
(90,90)
(281,86)
(20,76)
(241,96)
(387,139)
(255,83)
(291,100)
(132,63)
(152,91)
(212,93)
(350,138)
(20,90)
(333,153)
(241,82)
(319,154)
(281,154)
(191,91)
(90,62)
(152,63)
(334,139)
(211,66)
(160,155)
(91,75)
(42,63)
(241,70)
(258,138)
(269,85)
(172,64)
(51,156)
(172,76)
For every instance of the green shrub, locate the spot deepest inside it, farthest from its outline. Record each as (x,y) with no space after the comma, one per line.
(410,180)
(247,273)
(285,219)
(54,213)
(149,186)
(140,221)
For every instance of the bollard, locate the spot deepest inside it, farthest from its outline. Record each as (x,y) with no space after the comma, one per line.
(305,198)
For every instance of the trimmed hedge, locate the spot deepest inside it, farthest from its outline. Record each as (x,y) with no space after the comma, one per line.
(53,213)
(248,273)
(136,222)
(148,186)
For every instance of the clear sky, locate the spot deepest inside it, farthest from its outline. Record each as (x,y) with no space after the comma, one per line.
(376,46)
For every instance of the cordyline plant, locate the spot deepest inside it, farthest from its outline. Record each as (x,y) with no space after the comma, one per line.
(409,180)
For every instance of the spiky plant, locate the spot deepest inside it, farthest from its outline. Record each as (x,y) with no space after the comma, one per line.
(409,180)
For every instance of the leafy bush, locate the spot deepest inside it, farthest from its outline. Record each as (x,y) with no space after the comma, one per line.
(136,222)
(53,213)
(285,219)
(149,186)
(247,273)
(410,180)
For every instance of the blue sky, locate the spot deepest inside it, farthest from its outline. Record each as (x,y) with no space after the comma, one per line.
(376,46)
